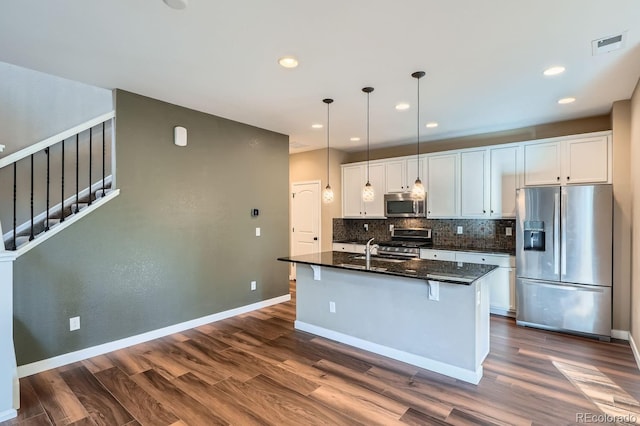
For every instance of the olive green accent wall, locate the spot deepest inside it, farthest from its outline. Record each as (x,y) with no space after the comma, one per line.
(542,131)
(177,244)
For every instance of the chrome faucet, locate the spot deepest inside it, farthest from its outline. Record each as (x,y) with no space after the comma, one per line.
(367,252)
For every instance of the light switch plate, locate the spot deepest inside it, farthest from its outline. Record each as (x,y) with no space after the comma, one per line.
(254,285)
(257,232)
(508,231)
(459,230)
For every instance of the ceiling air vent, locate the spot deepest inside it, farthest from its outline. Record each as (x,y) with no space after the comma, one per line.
(608,44)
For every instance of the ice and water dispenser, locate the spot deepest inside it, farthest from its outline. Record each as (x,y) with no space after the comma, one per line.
(534,235)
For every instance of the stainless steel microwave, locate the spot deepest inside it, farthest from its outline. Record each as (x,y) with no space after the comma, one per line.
(402,205)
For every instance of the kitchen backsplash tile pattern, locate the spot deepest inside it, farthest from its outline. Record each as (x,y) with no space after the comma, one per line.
(476,233)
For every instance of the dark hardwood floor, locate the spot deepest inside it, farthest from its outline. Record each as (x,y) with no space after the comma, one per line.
(256,369)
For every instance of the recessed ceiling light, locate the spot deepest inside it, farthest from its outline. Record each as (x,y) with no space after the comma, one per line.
(402,106)
(431,125)
(354,139)
(553,71)
(316,126)
(176,4)
(288,62)
(564,101)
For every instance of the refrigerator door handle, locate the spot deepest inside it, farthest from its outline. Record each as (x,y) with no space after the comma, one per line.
(556,234)
(563,229)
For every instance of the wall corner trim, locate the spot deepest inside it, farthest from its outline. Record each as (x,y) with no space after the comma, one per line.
(620,334)
(71,357)
(634,349)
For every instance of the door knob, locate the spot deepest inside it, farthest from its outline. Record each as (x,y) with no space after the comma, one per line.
(315,238)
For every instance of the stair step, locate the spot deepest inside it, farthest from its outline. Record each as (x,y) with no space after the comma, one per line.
(51,222)
(79,206)
(21,240)
(99,193)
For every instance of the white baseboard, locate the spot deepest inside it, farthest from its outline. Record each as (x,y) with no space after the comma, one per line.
(58,361)
(620,334)
(8,414)
(465,375)
(634,349)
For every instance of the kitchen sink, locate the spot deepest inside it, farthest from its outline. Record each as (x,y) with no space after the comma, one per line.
(362,267)
(381,259)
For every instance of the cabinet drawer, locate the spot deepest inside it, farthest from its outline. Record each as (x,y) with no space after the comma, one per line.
(438,255)
(489,259)
(348,248)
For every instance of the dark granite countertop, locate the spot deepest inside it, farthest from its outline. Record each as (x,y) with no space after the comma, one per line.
(361,242)
(441,247)
(474,250)
(449,272)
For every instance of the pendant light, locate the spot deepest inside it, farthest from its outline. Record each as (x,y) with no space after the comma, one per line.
(417,191)
(327,194)
(368,193)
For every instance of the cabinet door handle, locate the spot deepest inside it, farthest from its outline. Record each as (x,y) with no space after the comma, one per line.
(491,211)
(483,259)
(558,178)
(484,211)
(568,178)
(435,255)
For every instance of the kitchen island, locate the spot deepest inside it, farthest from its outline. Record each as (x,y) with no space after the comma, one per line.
(428,313)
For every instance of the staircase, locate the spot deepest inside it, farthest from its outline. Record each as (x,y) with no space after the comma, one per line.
(55,182)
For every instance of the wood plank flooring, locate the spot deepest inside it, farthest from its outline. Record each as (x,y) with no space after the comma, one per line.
(255,369)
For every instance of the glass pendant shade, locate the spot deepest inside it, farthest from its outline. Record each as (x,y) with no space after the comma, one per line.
(327,194)
(417,191)
(368,194)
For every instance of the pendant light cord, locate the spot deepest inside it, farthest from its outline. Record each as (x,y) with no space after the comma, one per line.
(368,93)
(418,133)
(328,142)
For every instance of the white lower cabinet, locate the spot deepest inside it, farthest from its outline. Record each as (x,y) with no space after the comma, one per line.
(351,248)
(502,281)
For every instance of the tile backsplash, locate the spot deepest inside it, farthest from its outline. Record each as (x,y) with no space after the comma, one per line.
(476,233)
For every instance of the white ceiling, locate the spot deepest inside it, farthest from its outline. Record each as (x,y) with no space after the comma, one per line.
(483,59)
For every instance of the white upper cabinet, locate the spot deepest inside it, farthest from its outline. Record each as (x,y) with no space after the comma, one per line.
(587,160)
(474,187)
(354,177)
(442,185)
(376,178)
(566,161)
(396,176)
(352,191)
(479,182)
(542,163)
(503,167)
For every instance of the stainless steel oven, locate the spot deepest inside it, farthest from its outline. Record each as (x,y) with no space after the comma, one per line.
(402,205)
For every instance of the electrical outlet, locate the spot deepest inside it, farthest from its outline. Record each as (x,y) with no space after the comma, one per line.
(434,290)
(391,227)
(366,227)
(74,323)
(254,285)
(459,229)
(257,232)
(508,231)
(332,307)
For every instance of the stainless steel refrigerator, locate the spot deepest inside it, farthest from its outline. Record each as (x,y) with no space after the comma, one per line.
(564,258)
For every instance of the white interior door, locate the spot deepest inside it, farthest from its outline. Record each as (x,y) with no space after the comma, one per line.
(305,219)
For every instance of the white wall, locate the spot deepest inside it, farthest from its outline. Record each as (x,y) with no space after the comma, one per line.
(34,105)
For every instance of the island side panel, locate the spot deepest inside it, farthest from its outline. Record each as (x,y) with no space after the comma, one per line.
(396,313)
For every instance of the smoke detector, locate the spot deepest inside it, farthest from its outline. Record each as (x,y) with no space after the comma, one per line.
(608,44)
